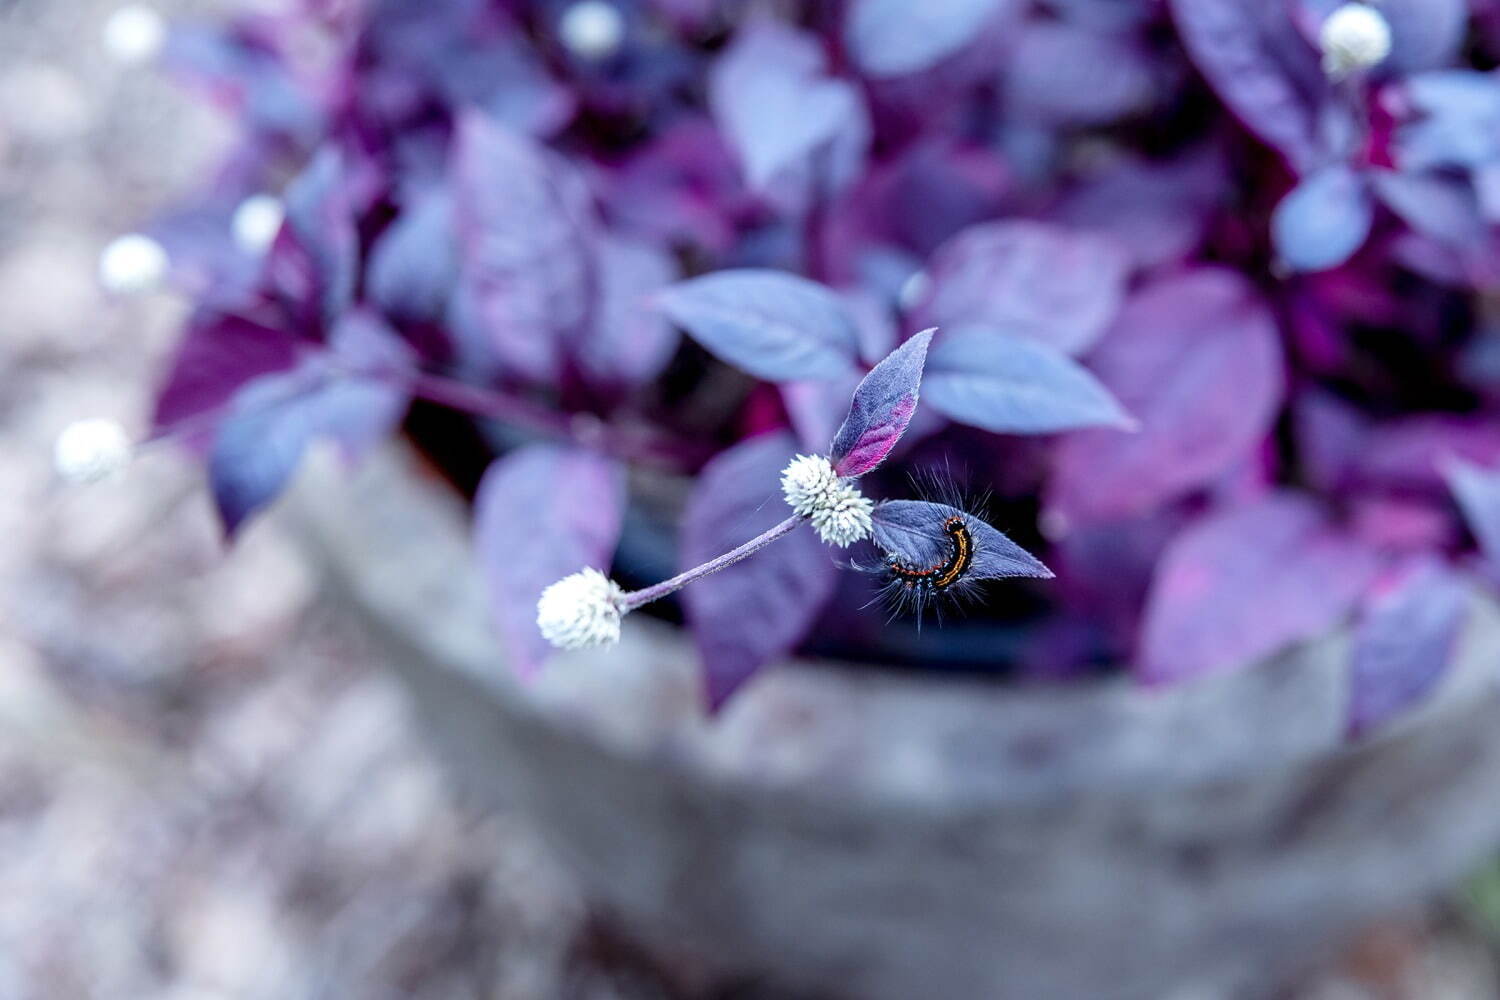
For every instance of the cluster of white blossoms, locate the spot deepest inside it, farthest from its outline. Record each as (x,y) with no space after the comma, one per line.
(134,34)
(581,610)
(592,29)
(131,264)
(256,222)
(1355,37)
(839,513)
(90,450)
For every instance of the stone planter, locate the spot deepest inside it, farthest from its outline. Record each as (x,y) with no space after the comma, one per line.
(876,835)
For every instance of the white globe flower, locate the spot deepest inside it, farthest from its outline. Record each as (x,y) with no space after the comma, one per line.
(592,29)
(1355,37)
(90,450)
(134,34)
(581,610)
(256,222)
(839,513)
(132,263)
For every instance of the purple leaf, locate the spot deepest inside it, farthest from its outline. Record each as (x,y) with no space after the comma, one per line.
(883,404)
(630,342)
(1444,208)
(1251,54)
(772,324)
(276,417)
(1477,491)
(1027,279)
(774,102)
(1011,385)
(241,68)
(1157,213)
(1404,643)
(758,610)
(1324,220)
(1458,123)
(414,263)
(1246,582)
(1195,358)
(897,37)
(1065,74)
(912,530)
(542,512)
(525,245)
(219,354)
(313,264)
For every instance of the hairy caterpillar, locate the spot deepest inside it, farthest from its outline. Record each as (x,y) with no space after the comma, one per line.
(942,576)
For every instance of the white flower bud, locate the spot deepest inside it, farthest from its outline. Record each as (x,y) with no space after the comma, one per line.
(134,34)
(256,222)
(90,450)
(1355,37)
(581,610)
(592,29)
(132,263)
(839,513)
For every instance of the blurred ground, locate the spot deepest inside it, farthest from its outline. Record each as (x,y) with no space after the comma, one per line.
(207,789)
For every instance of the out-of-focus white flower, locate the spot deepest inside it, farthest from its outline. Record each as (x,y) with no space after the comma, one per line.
(90,450)
(839,513)
(134,34)
(592,29)
(913,290)
(132,263)
(1356,36)
(581,610)
(256,222)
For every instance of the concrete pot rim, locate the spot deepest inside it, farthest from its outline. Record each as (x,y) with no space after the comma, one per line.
(396,543)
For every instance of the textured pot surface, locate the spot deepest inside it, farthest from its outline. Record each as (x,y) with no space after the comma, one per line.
(874,835)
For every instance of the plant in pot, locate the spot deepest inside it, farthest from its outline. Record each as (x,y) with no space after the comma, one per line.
(771,326)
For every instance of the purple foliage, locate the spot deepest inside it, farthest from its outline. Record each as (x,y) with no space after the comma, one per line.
(1213,330)
(881,408)
(759,609)
(1405,642)
(1244,583)
(541,513)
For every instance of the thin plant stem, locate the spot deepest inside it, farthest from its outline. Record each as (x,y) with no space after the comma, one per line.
(636,598)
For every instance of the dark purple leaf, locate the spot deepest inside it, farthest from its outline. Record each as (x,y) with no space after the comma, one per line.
(541,513)
(1405,643)
(1196,359)
(883,404)
(1252,55)
(1012,385)
(897,37)
(912,531)
(758,610)
(414,264)
(773,101)
(1027,279)
(219,354)
(630,341)
(274,419)
(525,245)
(1246,582)
(772,324)
(1324,220)
(1477,491)
(313,264)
